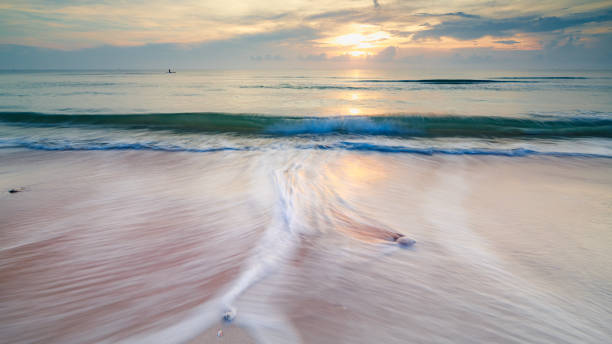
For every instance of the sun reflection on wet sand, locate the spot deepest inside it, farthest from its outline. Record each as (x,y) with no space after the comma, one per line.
(359,170)
(350,176)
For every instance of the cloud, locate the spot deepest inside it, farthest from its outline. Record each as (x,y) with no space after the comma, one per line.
(333,14)
(301,33)
(341,58)
(467,28)
(363,16)
(234,33)
(238,52)
(314,57)
(508,42)
(266,57)
(450,14)
(385,55)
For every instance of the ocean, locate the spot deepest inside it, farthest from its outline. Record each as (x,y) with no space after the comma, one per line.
(299,206)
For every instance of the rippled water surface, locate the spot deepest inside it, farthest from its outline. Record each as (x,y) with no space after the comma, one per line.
(310,93)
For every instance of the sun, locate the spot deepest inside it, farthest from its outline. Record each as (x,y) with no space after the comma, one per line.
(354,111)
(359,40)
(359,44)
(350,39)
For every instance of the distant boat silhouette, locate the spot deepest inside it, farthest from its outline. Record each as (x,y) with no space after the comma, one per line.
(170,71)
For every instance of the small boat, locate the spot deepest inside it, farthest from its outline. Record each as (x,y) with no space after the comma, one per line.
(170,71)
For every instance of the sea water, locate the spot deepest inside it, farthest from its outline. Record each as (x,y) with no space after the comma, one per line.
(155,205)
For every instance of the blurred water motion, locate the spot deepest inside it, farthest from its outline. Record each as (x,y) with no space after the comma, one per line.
(153,247)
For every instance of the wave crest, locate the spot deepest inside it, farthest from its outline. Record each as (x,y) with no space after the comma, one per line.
(398,126)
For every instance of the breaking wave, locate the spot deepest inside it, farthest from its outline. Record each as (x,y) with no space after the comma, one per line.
(261,125)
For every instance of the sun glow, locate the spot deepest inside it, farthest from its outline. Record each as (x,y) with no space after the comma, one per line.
(359,44)
(350,39)
(360,40)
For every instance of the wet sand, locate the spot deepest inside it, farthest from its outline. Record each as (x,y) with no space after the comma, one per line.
(122,246)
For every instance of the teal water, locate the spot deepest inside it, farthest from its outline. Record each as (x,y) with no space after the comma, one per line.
(394,111)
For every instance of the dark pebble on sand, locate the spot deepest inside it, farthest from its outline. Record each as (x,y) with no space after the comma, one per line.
(405,242)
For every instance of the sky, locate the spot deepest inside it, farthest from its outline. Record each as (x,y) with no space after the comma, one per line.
(47,34)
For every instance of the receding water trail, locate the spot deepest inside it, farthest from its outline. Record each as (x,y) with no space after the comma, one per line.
(305,210)
(278,242)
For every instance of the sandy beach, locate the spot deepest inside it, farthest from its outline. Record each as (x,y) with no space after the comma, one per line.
(121,246)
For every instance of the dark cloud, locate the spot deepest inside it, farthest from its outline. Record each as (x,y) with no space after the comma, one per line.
(508,42)
(451,14)
(469,27)
(461,14)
